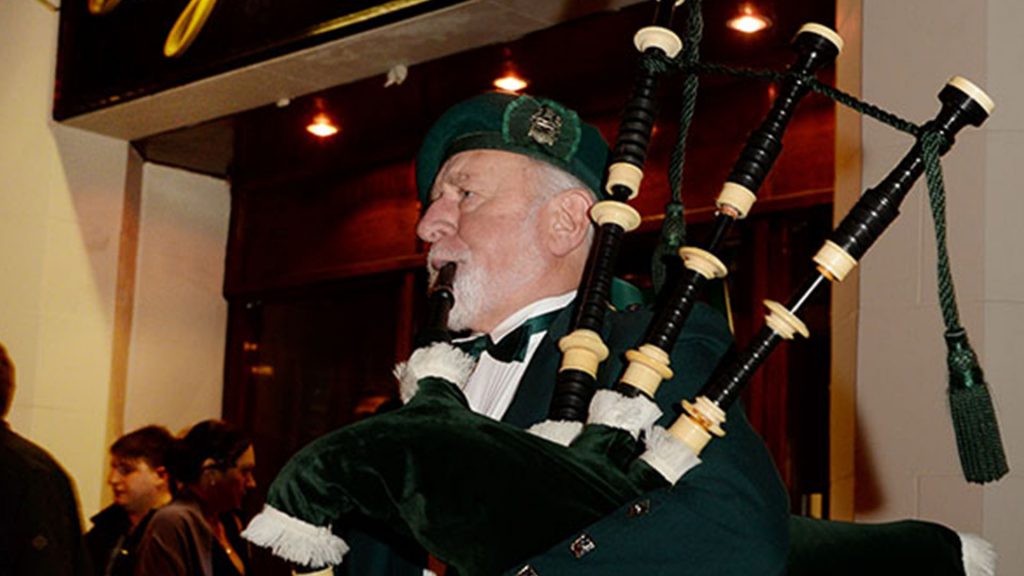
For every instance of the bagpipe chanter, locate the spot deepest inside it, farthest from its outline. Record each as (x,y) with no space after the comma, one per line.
(471,490)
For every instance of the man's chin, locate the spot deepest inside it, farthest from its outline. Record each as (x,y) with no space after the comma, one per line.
(455,325)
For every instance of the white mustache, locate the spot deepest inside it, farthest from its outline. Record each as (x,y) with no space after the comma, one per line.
(443,255)
(437,254)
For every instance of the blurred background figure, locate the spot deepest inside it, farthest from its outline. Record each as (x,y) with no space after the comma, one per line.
(197,534)
(140,482)
(40,529)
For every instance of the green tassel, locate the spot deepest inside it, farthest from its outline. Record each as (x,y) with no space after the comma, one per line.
(974,418)
(673,235)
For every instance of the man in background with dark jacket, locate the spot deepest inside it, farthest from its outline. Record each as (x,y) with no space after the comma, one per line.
(141,484)
(40,529)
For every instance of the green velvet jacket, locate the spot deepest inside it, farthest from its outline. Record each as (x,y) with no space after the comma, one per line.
(726,517)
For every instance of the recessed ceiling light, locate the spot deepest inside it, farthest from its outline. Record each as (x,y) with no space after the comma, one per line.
(322,126)
(510,83)
(749,20)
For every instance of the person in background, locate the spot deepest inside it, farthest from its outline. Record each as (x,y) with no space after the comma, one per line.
(140,482)
(197,534)
(40,528)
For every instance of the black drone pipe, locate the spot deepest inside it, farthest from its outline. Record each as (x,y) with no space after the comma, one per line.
(963,104)
(584,351)
(815,46)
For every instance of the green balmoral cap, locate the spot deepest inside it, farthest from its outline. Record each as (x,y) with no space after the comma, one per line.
(536,127)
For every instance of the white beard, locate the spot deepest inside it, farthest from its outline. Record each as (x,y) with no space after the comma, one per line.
(475,290)
(470,293)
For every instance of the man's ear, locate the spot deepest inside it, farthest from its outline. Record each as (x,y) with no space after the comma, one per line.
(208,465)
(161,471)
(568,220)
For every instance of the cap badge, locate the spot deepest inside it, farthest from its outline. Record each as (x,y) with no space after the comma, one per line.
(545,126)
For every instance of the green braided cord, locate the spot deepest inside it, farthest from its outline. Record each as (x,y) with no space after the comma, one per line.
(673,229)
(978,440)
(931,149)
(656,63)
(816,85)
(865,108)
(691,54)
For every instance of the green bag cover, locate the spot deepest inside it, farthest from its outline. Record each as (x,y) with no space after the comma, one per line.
(497,494)
(831,548)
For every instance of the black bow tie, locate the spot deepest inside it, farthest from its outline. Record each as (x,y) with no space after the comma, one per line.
(513,346)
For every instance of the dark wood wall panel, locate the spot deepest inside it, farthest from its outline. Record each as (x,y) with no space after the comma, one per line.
(310,230)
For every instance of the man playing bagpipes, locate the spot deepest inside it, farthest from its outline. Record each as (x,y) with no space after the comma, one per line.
(513,214)
(617,481)
(514,219)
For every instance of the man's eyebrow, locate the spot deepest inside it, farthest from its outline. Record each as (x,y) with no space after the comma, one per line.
(456,177)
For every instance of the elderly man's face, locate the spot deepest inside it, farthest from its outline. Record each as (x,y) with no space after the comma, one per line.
(482,215)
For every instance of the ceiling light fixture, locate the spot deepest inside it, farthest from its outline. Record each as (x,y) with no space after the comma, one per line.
(322,126)
(749,20)
(510,80)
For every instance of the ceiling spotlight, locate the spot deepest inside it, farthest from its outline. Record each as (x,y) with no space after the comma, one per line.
(749,20)
(510,82)
(322,126)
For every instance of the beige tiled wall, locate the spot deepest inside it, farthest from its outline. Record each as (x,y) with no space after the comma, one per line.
(907,465)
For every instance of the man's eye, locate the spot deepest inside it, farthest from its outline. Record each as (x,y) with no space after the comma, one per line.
(463,193)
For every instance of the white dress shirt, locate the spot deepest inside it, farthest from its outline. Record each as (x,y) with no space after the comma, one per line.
(493,383)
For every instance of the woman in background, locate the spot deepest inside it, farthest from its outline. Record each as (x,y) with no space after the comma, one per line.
(198,533)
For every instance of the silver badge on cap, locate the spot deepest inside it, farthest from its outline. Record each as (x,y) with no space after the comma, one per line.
(545,126)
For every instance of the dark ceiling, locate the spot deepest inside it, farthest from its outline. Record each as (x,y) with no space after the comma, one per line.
(590,54)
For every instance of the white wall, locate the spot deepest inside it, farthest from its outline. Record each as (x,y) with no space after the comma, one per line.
(60,209)
(103,339)
(176,360)
(907,459)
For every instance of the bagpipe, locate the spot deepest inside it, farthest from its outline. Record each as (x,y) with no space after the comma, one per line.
(426,471)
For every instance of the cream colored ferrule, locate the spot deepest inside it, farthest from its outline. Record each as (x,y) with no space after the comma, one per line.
(648,367)
(658,37)
(707,413)
(737,198)
(613,212)
(624,174)
(701,419)
(703,262)
(582,350)
(784,322)
(690,432)
(971,89)
(834,262)
(825,32)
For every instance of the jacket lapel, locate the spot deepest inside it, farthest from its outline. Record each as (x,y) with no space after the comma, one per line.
(533,397)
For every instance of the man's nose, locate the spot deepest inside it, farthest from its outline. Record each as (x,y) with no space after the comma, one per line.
(440,220)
